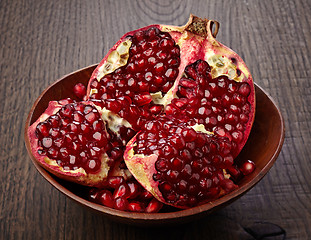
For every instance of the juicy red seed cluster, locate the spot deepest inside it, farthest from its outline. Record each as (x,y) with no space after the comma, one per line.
(75,137)
(220,104)
(125,195)
(190,163)
(134,114)
(152,66)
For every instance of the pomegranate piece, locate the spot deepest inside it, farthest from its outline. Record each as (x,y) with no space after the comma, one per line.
(143,62)
(71,141)
(218,103)
(182,173)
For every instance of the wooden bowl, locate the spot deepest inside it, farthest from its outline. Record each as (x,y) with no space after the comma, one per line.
(262,147)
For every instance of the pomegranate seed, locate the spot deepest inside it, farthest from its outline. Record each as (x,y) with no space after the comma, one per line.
(247,167)
(91,117)
(42,129)
(134,189)
(180,103)
(65,101)
(171,110)
(121,204)
(161,165)
(66,111)
(105,198)
(189,134)
(115,182)
(187,83)
(228,185)
(159,67)
(122,191)
(237,136)
(202,67)
(47,142)
(54,121)
(135,207)
(190,71)
(244,89)
(145,195)
(154,206)
(79,90)
(142,99)
(171,73)
(165,187)
(92,166)
(155,109)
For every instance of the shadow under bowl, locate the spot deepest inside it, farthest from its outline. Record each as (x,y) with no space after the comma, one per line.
(263,147)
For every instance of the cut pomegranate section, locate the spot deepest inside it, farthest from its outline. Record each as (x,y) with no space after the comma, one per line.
(70,139)
(220,104)
(142,63)
(184,168)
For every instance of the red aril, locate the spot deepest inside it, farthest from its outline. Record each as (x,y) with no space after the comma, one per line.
(247,167)
(79,90)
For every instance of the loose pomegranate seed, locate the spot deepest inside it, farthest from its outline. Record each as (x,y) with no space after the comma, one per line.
(121,204)
(135,207)
(128,195)
(105,198)
(134,190)
(79,90)
(122,191)
(247,167)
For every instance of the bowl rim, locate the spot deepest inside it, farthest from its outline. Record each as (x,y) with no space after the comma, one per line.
(162,216)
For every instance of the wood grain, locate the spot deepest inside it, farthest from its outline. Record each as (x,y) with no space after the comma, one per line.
(44,40)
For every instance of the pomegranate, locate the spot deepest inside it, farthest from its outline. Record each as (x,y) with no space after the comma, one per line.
(173,108)
(206,90)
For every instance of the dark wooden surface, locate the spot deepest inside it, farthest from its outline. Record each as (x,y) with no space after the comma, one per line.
(41,41)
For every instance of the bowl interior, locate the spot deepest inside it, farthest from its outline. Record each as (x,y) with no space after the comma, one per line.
(262,147)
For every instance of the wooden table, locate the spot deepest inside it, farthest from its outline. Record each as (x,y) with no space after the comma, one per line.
(41,41)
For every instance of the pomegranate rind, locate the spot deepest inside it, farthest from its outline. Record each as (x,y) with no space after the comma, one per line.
(79,175)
